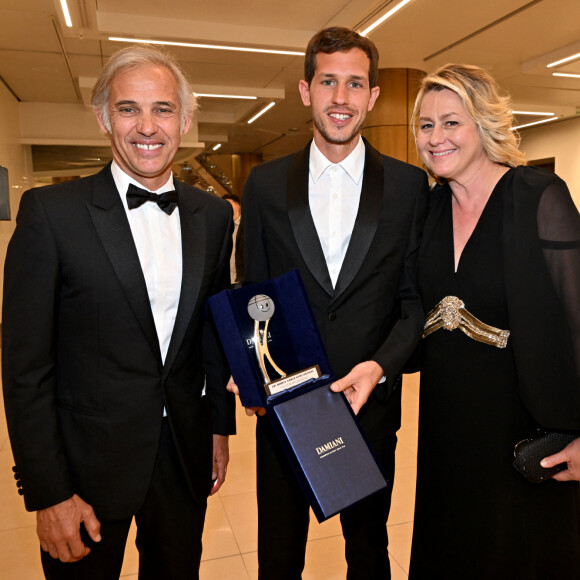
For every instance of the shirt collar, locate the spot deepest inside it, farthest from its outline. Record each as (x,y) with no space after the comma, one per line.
(353,164)
(122,181)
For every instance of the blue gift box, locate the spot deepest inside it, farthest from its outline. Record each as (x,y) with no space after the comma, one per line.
(321,436)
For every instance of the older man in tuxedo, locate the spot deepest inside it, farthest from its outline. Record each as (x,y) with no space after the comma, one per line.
(350,220)
(113,379)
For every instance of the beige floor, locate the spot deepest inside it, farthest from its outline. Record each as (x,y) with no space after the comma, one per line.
(231,527)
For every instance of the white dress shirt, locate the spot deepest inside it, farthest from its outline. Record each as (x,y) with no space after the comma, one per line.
(157,237)
(334,194)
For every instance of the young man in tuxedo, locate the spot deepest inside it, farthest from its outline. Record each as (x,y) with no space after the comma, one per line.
(114,383)
(350,220)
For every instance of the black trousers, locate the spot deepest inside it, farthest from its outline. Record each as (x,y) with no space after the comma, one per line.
(169,531)
(283,516)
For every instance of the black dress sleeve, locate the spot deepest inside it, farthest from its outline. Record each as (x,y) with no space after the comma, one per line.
(559,232)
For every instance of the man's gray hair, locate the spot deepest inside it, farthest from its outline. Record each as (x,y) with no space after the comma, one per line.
(133,57)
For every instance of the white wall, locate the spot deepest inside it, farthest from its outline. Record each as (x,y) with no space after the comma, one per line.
(560,140)
(18,160)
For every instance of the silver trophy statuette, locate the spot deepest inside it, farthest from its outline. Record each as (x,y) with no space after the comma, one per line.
(261,308)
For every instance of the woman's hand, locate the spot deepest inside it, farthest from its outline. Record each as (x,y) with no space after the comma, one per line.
(570,455)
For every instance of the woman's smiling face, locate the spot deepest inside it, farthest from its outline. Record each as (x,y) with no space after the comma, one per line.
(447,137)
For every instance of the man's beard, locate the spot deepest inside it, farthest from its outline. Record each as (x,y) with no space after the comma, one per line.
(340,138)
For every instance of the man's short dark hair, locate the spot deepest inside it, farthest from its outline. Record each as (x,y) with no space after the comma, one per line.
(338,39)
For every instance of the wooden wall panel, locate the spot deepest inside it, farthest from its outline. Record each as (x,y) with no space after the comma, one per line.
(387,126)
(389,140)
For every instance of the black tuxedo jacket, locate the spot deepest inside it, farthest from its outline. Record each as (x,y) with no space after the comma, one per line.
(542,277)
(374,313)
(84,383)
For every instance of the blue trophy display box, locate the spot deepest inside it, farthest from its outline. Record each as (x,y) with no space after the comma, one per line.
(278,362)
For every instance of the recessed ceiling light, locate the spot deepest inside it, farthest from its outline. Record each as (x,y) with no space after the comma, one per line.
(66,13)
(260,113)
(534,123)
(210,46)
(563,60)
(384,17)
(531,113)
(216,96)
(573,76)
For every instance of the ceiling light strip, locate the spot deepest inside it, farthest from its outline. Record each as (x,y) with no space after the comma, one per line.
(384,17)
(570,75)
(534,123)
(260,113)
(531,113)
(209,46)
(66,13)
(216,96)
(216,147)
(563,60)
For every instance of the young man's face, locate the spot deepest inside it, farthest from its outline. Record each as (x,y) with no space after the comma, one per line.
(145,117)
(340,96)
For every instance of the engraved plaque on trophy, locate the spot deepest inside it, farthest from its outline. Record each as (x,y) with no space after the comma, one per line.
(261,309)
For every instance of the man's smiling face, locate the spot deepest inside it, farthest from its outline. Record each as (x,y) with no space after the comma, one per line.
(340,97)
(145,117)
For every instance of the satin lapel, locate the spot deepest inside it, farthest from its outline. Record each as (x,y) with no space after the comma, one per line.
(193,248)
(301,219)
(367,219)
(112,227)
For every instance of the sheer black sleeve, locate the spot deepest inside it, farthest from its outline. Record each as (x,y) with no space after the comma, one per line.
(559,232)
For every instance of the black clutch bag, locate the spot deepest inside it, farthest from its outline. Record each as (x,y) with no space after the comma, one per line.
(529,452)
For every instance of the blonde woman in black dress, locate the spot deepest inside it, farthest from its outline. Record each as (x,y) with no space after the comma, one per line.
(499,276)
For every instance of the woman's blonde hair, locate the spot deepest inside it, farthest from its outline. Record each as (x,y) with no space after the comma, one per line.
(484,103)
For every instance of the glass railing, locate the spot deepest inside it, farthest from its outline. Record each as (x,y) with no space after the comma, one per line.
(216,172)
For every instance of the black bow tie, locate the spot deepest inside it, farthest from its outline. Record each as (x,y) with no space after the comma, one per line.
(137,196)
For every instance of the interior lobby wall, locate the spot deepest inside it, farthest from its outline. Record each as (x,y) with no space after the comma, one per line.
(17,159)
(562,142)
